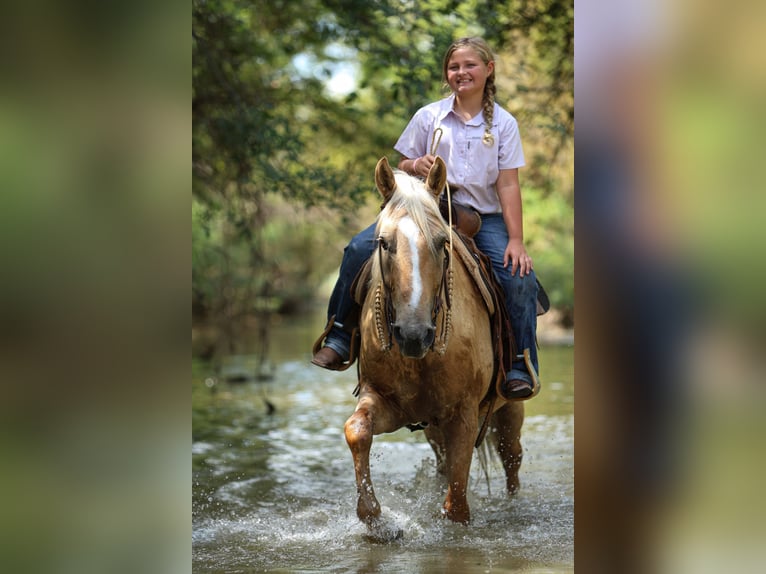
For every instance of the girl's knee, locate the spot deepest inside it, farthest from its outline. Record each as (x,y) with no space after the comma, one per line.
(363,243)
(360,247)
(524,286)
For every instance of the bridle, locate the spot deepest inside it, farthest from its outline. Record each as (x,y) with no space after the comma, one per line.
(383,291)
(384,306)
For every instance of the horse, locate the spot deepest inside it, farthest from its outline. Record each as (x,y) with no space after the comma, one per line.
(412,372)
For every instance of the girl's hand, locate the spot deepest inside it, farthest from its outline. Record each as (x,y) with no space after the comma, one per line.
(422,165)
(516,254)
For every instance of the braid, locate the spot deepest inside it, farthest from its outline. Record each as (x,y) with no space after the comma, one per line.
(489,111)
(488,101)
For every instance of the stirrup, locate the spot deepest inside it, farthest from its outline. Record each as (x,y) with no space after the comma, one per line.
(352,352)
(532,374)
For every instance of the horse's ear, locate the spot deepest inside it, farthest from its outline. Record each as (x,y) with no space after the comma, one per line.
(437,177)
(384,178)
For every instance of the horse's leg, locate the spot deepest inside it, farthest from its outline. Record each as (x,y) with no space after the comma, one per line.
(459,436)
(369,418)
(436,440)
(507,429)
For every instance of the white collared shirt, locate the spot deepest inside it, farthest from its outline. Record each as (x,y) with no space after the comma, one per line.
(472,167)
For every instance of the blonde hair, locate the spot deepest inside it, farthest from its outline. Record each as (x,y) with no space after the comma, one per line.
(480,46)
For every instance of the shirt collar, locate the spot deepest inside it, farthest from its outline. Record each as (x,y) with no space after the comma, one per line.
(446,109)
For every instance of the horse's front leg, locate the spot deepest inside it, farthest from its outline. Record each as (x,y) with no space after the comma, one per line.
(358,432)
(368,419)
(459,437)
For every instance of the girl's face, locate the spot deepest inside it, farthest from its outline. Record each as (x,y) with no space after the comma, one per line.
(467,73)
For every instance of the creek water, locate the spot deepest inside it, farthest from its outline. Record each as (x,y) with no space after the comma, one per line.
(273,480)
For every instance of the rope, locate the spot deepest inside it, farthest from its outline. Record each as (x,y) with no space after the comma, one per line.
(384,346)
(383,297)
(437,137)
(435,141)
(447,323)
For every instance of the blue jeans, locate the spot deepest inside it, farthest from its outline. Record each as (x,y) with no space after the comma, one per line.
(360,249)
(520,292)
(492,239)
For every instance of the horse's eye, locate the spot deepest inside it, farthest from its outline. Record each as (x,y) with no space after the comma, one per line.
(383,243)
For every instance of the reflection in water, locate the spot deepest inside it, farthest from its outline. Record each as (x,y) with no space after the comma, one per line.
(275,492)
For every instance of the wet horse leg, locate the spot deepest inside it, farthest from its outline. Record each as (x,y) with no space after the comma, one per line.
(436,440)
(459,436)
(367,419)
(507,430)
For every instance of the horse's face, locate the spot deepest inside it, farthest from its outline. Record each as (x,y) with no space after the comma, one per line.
(413,274)
(412,259)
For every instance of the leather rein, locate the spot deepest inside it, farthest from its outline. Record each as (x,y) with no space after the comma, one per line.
(445,285)
(384,306)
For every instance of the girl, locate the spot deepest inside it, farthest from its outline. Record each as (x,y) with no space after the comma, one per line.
(481,146)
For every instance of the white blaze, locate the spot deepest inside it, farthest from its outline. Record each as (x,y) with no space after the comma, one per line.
(411,232)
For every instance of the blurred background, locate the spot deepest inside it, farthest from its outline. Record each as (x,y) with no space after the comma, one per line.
(96,261)
(669,361)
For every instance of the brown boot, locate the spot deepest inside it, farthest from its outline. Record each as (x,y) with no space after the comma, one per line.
(518,385)
(328,358)
(517,389)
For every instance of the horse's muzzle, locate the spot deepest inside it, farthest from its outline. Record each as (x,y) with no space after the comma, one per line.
(414,340)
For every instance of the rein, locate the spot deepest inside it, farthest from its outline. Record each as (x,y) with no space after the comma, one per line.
(385,342)
(445,289)
(383,299)
(447,275)
(446,285)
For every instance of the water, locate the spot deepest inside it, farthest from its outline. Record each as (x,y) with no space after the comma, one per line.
(276,493)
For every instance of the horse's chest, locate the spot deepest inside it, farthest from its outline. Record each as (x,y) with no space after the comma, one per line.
(419,391)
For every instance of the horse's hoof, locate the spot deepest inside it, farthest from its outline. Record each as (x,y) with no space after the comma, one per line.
(383,532)
(384,537)
(463,517)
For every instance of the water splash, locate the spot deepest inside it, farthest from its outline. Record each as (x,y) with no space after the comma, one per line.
(278,494)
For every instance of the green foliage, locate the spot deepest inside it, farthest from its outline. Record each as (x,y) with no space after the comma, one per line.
(282,164)
(549,237)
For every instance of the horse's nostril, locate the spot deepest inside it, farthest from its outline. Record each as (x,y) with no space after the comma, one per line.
(414,336)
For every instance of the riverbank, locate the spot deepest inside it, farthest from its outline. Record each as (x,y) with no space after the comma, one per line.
(550,330)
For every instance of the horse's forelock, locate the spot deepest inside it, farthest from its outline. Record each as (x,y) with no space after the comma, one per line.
(412,197)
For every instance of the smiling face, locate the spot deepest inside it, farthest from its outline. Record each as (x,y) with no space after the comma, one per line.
(466,72)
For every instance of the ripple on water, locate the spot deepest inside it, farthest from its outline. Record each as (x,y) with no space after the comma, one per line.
(311,526)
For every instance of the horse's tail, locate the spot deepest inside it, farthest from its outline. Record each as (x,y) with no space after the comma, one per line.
(488,456)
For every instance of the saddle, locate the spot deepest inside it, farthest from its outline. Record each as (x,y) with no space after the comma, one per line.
(464,219)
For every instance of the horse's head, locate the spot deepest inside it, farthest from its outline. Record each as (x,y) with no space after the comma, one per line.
(411,237)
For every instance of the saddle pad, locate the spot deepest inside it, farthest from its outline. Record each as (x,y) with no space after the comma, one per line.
(460,248)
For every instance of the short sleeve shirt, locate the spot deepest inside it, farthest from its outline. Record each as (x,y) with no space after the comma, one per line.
(472,167)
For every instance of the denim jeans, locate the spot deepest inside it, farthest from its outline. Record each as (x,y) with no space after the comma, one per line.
(359,250)
(492,239)
(520,292)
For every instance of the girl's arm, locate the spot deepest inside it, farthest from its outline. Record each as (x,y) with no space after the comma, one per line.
(509,194)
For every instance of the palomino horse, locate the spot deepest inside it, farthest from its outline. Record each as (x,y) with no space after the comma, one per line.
(410,370)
